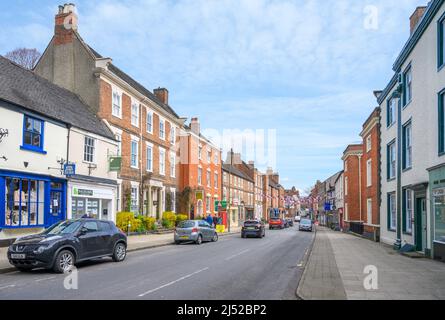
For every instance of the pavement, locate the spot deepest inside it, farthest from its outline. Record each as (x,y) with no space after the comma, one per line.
(135,243)
(230,269)
(336,270)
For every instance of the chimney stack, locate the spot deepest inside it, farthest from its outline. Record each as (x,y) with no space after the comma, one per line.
(162,95)
(66,23)
(415,18)
(195,127)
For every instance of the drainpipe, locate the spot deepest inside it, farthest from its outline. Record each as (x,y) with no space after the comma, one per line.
(398,243)
(67,161)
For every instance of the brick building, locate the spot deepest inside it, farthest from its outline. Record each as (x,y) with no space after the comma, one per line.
(352,159)
(238,190)
(200,170)
(370,175)
(141,120)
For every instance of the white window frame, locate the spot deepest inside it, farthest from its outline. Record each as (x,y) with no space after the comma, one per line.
(161,129)
(209,156)
(149,152)
(199,176)
(172,135)
(215,177)
(216,158)
(208,178)
(172,164)
(392,111)
(91,154)
(368,143)
(162,161)
(135,114)
(149,125)
(409,146)
(117,94)
(133,140)
(408,75)
(200,152)
(369,173)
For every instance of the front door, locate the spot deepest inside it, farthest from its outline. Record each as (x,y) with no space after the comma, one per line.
(56,207)
(421,224)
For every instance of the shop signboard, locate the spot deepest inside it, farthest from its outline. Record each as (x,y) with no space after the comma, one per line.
(115,163)
(83,192)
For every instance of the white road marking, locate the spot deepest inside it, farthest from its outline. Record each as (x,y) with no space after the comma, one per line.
(49,278)
(173,282)
(13,272)
(236,255)
(6,287)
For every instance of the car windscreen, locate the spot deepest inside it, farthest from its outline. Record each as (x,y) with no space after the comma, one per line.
(65,227)
(186,224)
(305,221)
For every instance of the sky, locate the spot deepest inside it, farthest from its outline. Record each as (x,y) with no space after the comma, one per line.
(298,75)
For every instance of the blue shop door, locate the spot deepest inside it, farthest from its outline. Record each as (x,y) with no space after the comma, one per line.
(56,207)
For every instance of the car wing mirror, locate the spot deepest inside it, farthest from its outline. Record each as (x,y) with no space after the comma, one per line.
(83,232)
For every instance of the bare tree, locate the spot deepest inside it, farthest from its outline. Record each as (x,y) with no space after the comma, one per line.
(27,58)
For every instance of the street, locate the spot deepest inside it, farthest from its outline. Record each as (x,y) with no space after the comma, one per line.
(230,269)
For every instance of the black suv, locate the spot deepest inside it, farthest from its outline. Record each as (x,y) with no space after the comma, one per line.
(68,242)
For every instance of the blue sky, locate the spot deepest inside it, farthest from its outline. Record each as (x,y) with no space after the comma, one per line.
(306,69)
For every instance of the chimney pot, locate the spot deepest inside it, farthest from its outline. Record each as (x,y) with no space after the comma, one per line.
(65,24)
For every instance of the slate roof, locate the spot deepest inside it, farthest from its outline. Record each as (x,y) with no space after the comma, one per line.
(30,91)
(235,171)
(139,87)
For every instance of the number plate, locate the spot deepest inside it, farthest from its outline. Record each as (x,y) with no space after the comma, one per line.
(184,237)
(18,256)
(251,228)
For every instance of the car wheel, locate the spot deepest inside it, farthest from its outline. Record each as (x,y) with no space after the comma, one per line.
(215,237)
(199,240)
(177,242)
(64,262)
(120,252)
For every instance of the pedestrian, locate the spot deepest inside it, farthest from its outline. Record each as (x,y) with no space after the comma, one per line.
(209,219)
(215,221)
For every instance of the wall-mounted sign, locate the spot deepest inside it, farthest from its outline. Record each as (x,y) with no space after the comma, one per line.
(115,163)
(69,169)
(199,195)
(83,192)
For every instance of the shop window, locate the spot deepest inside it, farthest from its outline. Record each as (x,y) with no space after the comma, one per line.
(24,203)
(33,133)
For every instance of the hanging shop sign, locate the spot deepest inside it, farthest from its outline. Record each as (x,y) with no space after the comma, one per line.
(69,169)
(115,163)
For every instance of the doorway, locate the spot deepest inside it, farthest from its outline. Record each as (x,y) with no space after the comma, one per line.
(421,236)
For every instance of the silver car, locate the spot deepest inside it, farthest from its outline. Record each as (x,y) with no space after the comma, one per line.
(196,231)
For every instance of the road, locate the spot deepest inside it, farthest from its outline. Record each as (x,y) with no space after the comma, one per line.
(230,269)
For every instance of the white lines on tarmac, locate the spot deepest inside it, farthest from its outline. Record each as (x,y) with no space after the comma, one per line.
(173,282)
(45,279)
(236,255)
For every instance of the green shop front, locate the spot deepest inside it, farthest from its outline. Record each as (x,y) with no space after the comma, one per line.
(437,192)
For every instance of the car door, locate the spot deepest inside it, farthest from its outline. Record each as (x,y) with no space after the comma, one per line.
(89,240)
(106,238)
(204,228)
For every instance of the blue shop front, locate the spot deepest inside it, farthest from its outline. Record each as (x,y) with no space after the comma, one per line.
(29,203)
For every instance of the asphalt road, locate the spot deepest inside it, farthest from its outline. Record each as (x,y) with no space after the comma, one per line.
(230,269)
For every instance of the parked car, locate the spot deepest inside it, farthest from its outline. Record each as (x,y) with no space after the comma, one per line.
(68,242)
(286,223)
(297,218)
(305,225)
(197,231)
(254,228)
(290,222)
(276,223)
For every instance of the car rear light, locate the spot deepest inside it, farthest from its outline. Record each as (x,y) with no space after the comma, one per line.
(194,230)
